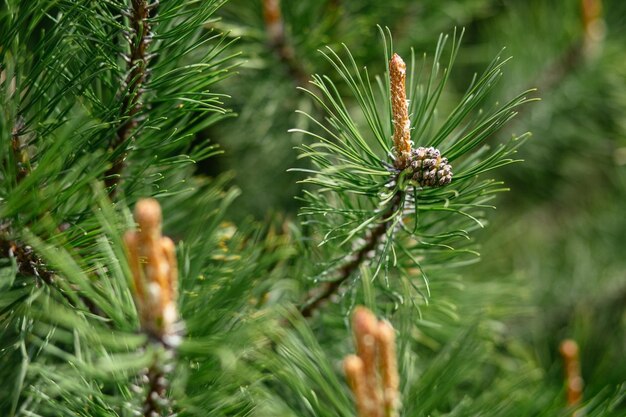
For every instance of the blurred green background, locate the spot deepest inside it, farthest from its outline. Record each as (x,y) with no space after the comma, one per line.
(558,239)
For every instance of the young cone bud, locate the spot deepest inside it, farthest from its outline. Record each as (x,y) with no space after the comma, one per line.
(400,111)
(152,260)
(365,327)
(573,379)
(388,367)
(355,373)
(430,168)
(593,25)
(373,374)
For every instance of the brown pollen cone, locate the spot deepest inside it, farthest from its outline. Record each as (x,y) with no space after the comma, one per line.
(388,367)
(400,112)
(355,373)
(573,379)
(152,260)
(373,372)
(273,19)
(365,327)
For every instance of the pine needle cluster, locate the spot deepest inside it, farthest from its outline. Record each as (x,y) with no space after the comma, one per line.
(129,288)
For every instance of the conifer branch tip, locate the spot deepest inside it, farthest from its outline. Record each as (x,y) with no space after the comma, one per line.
(132,87)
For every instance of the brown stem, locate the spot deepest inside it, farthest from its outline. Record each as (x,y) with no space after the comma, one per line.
(156,403)
(316,297)
(28,263)
(275,27)
(132,88)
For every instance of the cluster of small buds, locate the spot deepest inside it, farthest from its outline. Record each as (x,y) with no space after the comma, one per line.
(373,372)
(152,259)
(430,168)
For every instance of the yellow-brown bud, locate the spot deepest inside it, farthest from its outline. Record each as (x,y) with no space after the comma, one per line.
(373,372)
(400,112)
(152,260)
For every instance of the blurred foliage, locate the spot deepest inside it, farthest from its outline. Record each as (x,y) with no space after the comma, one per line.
(477,335)
(557,239)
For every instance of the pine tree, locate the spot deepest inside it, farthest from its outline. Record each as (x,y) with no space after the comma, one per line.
(133,283)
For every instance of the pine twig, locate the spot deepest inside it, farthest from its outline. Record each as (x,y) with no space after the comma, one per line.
(18,146)
(28,263)
(318,296)
(424,166)
(275,27)
(402,150)
(156,403)
(133,87)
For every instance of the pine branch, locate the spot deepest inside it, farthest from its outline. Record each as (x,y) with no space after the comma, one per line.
(317,297)
(132,86)
(275,28)
(28,263)
(156,402)
(415,183)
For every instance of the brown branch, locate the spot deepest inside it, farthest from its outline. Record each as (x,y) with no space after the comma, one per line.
(156,402)
(132,86)
(316,297)
(28,263)
(275,27)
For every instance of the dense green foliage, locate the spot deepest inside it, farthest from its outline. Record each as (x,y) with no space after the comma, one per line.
(90,122)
